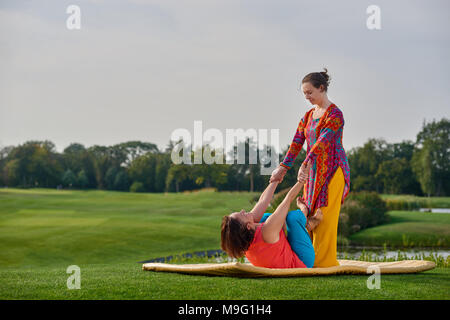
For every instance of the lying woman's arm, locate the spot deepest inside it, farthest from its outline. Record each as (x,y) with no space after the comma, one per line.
(274,223)
(264,200)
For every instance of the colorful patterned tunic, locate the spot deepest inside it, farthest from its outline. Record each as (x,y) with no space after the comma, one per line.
(325,150)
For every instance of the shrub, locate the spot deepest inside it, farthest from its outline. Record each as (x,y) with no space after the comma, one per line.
(407,204)
(361,210)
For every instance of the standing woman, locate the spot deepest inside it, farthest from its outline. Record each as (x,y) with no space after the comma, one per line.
(329,178)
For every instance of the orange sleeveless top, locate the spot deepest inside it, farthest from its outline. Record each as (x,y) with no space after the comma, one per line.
(272,255)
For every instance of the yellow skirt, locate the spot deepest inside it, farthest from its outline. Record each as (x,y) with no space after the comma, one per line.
(325,234)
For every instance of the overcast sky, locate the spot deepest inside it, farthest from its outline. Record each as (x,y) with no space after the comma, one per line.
(139,69)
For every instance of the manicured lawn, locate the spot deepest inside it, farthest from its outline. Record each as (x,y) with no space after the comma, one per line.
(408,229)
(42,232)
(47,227)
(128,281)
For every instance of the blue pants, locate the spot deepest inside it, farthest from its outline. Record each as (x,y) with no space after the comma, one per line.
(298,236)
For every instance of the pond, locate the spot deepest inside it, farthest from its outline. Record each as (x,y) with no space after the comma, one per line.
(349,252)
(435,210)
(379,252)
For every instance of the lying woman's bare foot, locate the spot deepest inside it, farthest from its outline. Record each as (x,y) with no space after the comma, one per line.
(302,206)
(314,220)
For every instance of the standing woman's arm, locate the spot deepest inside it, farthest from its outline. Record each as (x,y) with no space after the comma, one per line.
(296,144)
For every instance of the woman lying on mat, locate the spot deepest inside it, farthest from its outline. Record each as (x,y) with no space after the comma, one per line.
(260,236)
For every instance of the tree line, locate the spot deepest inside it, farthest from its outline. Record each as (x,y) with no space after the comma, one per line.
(418,167)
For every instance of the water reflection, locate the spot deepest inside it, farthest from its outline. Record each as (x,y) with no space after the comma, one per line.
(435,210)
(380,253)
(349,252)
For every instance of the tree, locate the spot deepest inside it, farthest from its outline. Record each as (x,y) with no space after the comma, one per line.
(121,181)
(143,169)
(3,159)
(134,149)
(178,174)
(11,173)
(430,161)
(163,163)
(395,175)
(110,177)
(210,174)
(102,159)
(404,149)
(35,163)
(72,156)
(246,165)
(77,158)
(364,162)
(69,179)
(82,180)
(422,165)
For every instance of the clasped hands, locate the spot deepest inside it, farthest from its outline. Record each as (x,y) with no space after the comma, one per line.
(279,173)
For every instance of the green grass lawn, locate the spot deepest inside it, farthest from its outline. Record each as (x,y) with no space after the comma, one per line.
(432,202)
(408,229)
(128,281)
(42,232)
(48,227)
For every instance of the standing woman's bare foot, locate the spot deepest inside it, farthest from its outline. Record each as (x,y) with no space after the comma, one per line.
(314,220)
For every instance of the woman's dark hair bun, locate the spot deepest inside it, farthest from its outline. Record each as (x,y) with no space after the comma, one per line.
(325,75)
(318,78)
